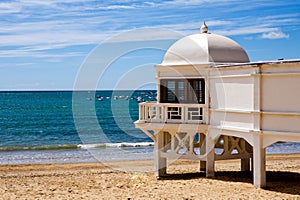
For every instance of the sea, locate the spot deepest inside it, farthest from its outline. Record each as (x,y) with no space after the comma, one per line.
(38,127)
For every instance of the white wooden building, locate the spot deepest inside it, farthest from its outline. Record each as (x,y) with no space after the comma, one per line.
(214,104)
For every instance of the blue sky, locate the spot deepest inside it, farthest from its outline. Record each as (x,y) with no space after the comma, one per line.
(43,44)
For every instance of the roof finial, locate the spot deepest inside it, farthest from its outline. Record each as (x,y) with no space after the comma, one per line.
(204,28)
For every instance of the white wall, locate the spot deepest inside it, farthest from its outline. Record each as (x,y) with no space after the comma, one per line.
(232,100)
(281,93)
(281,102)
(232,120)
(233,95)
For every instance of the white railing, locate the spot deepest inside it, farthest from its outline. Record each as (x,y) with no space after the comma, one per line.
(167,112)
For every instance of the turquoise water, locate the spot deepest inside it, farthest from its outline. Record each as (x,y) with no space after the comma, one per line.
(62,126)
(37,127)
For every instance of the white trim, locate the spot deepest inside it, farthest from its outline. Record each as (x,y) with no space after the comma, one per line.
(234,129)
(281,133)
(235,111)
(183,77)
(232,76)
(281,113)
(280,74)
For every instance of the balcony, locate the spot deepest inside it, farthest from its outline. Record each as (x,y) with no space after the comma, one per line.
(153,112)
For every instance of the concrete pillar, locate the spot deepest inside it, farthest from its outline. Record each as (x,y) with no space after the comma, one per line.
(160,164)
(210,159)
(246,148)
(245,164)
(259,162)
(202,150)
(202,166)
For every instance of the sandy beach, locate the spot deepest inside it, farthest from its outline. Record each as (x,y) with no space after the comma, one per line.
(135,180)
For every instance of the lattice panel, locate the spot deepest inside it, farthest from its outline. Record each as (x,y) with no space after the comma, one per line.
(195,113)
(233,147)
(183,144)
(174,113)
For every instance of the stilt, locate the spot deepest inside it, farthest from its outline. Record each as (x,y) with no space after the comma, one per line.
(245,147)
(210,159)
(160,168)
(245,164)
(259,163)
(202,152)
(202,166)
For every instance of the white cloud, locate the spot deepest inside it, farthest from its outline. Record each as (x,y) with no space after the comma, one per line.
(17,53)
(193,25)
(116,7)
(274,35)
(245,30)
(25,64)
(67,23)
(7,8)
(146,34)
(189,2)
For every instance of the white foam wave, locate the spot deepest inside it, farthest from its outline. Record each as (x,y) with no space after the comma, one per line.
(116,145)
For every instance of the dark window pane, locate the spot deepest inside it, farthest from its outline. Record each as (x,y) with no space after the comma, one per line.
(171,97)
(182,91)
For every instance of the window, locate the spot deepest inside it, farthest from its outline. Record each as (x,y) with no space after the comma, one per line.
(182,91)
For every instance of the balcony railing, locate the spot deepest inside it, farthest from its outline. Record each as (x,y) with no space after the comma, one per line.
(173,113)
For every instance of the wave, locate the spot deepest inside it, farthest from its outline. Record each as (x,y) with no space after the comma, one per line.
(77,146)
(46,147)
(116,145)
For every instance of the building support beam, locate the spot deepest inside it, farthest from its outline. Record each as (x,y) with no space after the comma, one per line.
(259,162)
(245,164)
(160,163)
(202,150)
(210,159)
(202,166)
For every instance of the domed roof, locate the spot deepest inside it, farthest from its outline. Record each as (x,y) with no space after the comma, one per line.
(205,48)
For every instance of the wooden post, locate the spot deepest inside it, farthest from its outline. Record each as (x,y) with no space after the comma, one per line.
(259,162)
(160,164)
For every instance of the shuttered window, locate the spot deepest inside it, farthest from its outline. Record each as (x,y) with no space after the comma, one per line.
(182,91)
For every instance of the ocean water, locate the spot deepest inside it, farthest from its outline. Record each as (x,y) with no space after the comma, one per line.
(86,126)
(62,126)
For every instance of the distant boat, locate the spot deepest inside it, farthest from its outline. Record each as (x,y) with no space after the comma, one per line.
(100,99)
(140,99)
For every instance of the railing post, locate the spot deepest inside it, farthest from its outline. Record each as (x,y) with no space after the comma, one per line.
(165,108)
(147,112)
(158,112)
(183,118)
(140,112)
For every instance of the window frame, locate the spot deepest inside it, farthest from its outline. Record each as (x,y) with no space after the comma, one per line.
(193,91)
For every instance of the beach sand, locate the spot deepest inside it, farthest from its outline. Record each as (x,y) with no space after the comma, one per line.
(108,181)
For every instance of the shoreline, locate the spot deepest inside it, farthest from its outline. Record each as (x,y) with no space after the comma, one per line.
(135,180)
(78,155)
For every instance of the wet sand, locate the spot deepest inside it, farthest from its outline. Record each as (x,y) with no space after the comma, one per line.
(135,180)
